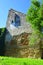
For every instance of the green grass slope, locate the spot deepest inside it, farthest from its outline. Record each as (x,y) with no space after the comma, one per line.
(20,61)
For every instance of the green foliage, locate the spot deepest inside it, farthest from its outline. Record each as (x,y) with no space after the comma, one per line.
(35,18)
(36,3)
(2,41)
(2,31)
(35,38)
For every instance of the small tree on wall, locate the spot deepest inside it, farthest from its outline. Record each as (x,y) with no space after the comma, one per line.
(35,18)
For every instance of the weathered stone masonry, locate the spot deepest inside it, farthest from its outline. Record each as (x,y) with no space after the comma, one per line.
(17,38)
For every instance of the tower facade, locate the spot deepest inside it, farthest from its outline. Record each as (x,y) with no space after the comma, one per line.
(17,37)
(16,23)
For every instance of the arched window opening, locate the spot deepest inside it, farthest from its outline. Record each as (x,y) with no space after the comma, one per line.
(17,20)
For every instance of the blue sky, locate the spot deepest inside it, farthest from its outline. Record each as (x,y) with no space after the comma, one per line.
(6,5)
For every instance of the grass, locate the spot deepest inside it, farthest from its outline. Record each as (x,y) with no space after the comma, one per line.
(20,61)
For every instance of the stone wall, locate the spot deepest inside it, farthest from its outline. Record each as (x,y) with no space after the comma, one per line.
(19,47)
(16,41)
(24,26)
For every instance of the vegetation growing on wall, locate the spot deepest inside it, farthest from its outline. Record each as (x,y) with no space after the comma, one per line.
(35,18)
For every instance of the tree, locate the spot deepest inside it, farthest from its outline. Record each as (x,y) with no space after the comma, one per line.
(35,18)
(2,41)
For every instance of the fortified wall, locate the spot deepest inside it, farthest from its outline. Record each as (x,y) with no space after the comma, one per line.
(17,37)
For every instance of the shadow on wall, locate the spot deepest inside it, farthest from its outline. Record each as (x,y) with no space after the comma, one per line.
(2,42)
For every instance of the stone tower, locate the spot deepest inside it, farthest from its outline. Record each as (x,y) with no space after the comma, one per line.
(18,20)
(17,37)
